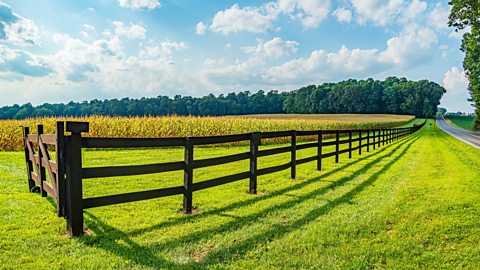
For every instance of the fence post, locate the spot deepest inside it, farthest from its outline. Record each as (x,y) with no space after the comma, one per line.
(373,137)
(188,177)
(337,145)
(254,142)
(360,142)
(379,138)
(319,150)
(383,137)
(31,183)
(41,170)
(349,144)
(293,172)
(74,200)
(368,141)
(60,175)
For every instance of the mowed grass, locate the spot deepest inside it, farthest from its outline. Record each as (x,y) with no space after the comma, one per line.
(180,126)
(465,122)
(410,205)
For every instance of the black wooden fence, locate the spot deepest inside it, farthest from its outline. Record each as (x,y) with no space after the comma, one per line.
(66,173)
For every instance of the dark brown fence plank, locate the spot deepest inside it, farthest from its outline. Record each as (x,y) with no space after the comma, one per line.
(114,171)
(306,145)
(131,142)
(275,134)
(273,151)
(306,160)
(331,154)
(219,139)
(274,169)
(220,181)
(131,197)
(220,160)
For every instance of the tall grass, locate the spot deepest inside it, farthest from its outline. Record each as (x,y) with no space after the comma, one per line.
(173,126)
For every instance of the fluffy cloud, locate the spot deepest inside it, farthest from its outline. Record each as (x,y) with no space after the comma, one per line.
(455,81)
(251,19)
(438,18)
(413,11)
(274,48)
(164,49)
(456,85)
(139,4)
(261,19)
(403,51)
(410,47)
(200,28)
(16,29)
(309,12)
(321,65)
(343,15)
(379,12)
(132,31)
(18,62)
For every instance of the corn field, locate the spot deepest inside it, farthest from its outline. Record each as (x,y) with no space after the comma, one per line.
(178,126)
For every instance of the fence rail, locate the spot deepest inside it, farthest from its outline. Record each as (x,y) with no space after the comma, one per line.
(66,172)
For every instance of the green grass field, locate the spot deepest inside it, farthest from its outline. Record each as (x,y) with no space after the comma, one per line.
(465,122)
(410,205)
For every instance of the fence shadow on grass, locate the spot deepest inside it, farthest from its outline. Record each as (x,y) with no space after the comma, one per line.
(109,238)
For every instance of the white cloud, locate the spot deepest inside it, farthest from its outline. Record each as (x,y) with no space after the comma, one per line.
(251,19)
(321,65)
(411,12)
(438,17)
(410,47)
(132,31)
(261,19)
(164,49)
(455,81)
(201,28)
(343,15)
(274,48)
(457,95)
(16,29)
(309,12)
(407,50)
(379,12)
(139,4)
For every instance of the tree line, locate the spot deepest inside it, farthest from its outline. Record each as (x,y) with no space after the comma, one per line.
(393,96)
(465,16)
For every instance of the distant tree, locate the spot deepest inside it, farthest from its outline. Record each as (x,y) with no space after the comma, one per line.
(441,111)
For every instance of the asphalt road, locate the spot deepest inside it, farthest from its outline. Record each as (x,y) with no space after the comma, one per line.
(467,136)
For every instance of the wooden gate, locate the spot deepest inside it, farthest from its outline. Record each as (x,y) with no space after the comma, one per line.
(45,170)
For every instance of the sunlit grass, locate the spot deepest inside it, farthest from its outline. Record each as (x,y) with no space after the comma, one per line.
(410,205)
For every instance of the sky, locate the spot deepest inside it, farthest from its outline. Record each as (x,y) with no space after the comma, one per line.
(63,50)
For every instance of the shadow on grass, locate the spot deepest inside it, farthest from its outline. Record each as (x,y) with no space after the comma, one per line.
(119,242)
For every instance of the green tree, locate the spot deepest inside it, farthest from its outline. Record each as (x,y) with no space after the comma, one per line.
(465,15)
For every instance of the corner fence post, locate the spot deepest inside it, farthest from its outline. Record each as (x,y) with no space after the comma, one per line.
(41,170)
(360,142)
(319,150)
(31,183)
(337,145)
(254,142)
(368,141)
(74,199)
(349,144)
(60,175)
(188,177)
(293,172)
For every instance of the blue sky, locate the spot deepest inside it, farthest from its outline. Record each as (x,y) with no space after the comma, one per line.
(57,51)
